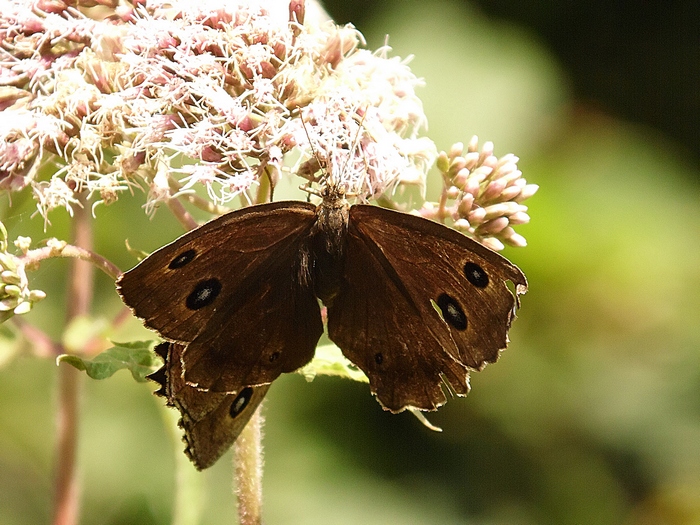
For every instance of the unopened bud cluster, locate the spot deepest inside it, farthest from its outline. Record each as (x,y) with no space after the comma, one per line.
(15,296)
(483,195)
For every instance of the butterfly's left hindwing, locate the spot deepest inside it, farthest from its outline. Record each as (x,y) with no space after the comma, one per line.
(211,421)
(231,292)
(419,305)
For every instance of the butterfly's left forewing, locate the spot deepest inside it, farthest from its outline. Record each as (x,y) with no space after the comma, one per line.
(232,292)
(419,305)
(211,421)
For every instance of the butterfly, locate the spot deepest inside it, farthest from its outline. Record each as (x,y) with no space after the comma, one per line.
(412,303)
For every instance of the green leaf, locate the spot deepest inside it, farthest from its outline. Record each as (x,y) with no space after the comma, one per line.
(138,357)
(330,361)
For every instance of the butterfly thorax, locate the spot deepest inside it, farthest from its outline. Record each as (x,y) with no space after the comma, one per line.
(328,246)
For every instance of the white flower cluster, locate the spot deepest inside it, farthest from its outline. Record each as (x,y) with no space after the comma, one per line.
(175,95)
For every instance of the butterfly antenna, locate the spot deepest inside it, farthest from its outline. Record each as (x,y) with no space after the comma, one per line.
(307,187)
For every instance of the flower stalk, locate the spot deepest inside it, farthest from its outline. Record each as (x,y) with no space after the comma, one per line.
(79,299)
(248,470)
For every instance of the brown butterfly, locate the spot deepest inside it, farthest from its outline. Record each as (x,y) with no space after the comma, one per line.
(414,304)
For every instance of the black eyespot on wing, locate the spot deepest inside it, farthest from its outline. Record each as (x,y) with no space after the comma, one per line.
(274,357)
(378,358)
(476,275)
(203,294)
(182,259)
(241,402)
(452,313)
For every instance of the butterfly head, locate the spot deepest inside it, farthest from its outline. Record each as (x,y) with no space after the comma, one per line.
(334,194)
(338,168)
(333,189)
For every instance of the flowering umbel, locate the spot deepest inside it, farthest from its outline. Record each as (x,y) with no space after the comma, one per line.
(181,94)
(173,96)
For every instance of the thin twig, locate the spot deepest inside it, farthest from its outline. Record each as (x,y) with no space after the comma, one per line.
(60,249)
(41,344)
(181,214)
(194,199)
(204,204)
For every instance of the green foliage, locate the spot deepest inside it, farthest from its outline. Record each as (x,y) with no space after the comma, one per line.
(137,357)
(330,361)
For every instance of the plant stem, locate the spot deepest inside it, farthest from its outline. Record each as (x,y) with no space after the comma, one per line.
(181,214)
(78,299)
(265,189)
(34,257)
(248,465)
(67,490)
(196,200)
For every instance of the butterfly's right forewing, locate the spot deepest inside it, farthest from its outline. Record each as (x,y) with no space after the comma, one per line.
(419,305)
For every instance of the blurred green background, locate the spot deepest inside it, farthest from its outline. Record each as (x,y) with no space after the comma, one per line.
(592,416)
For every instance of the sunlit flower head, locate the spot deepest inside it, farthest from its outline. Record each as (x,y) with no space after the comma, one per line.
(179,95)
